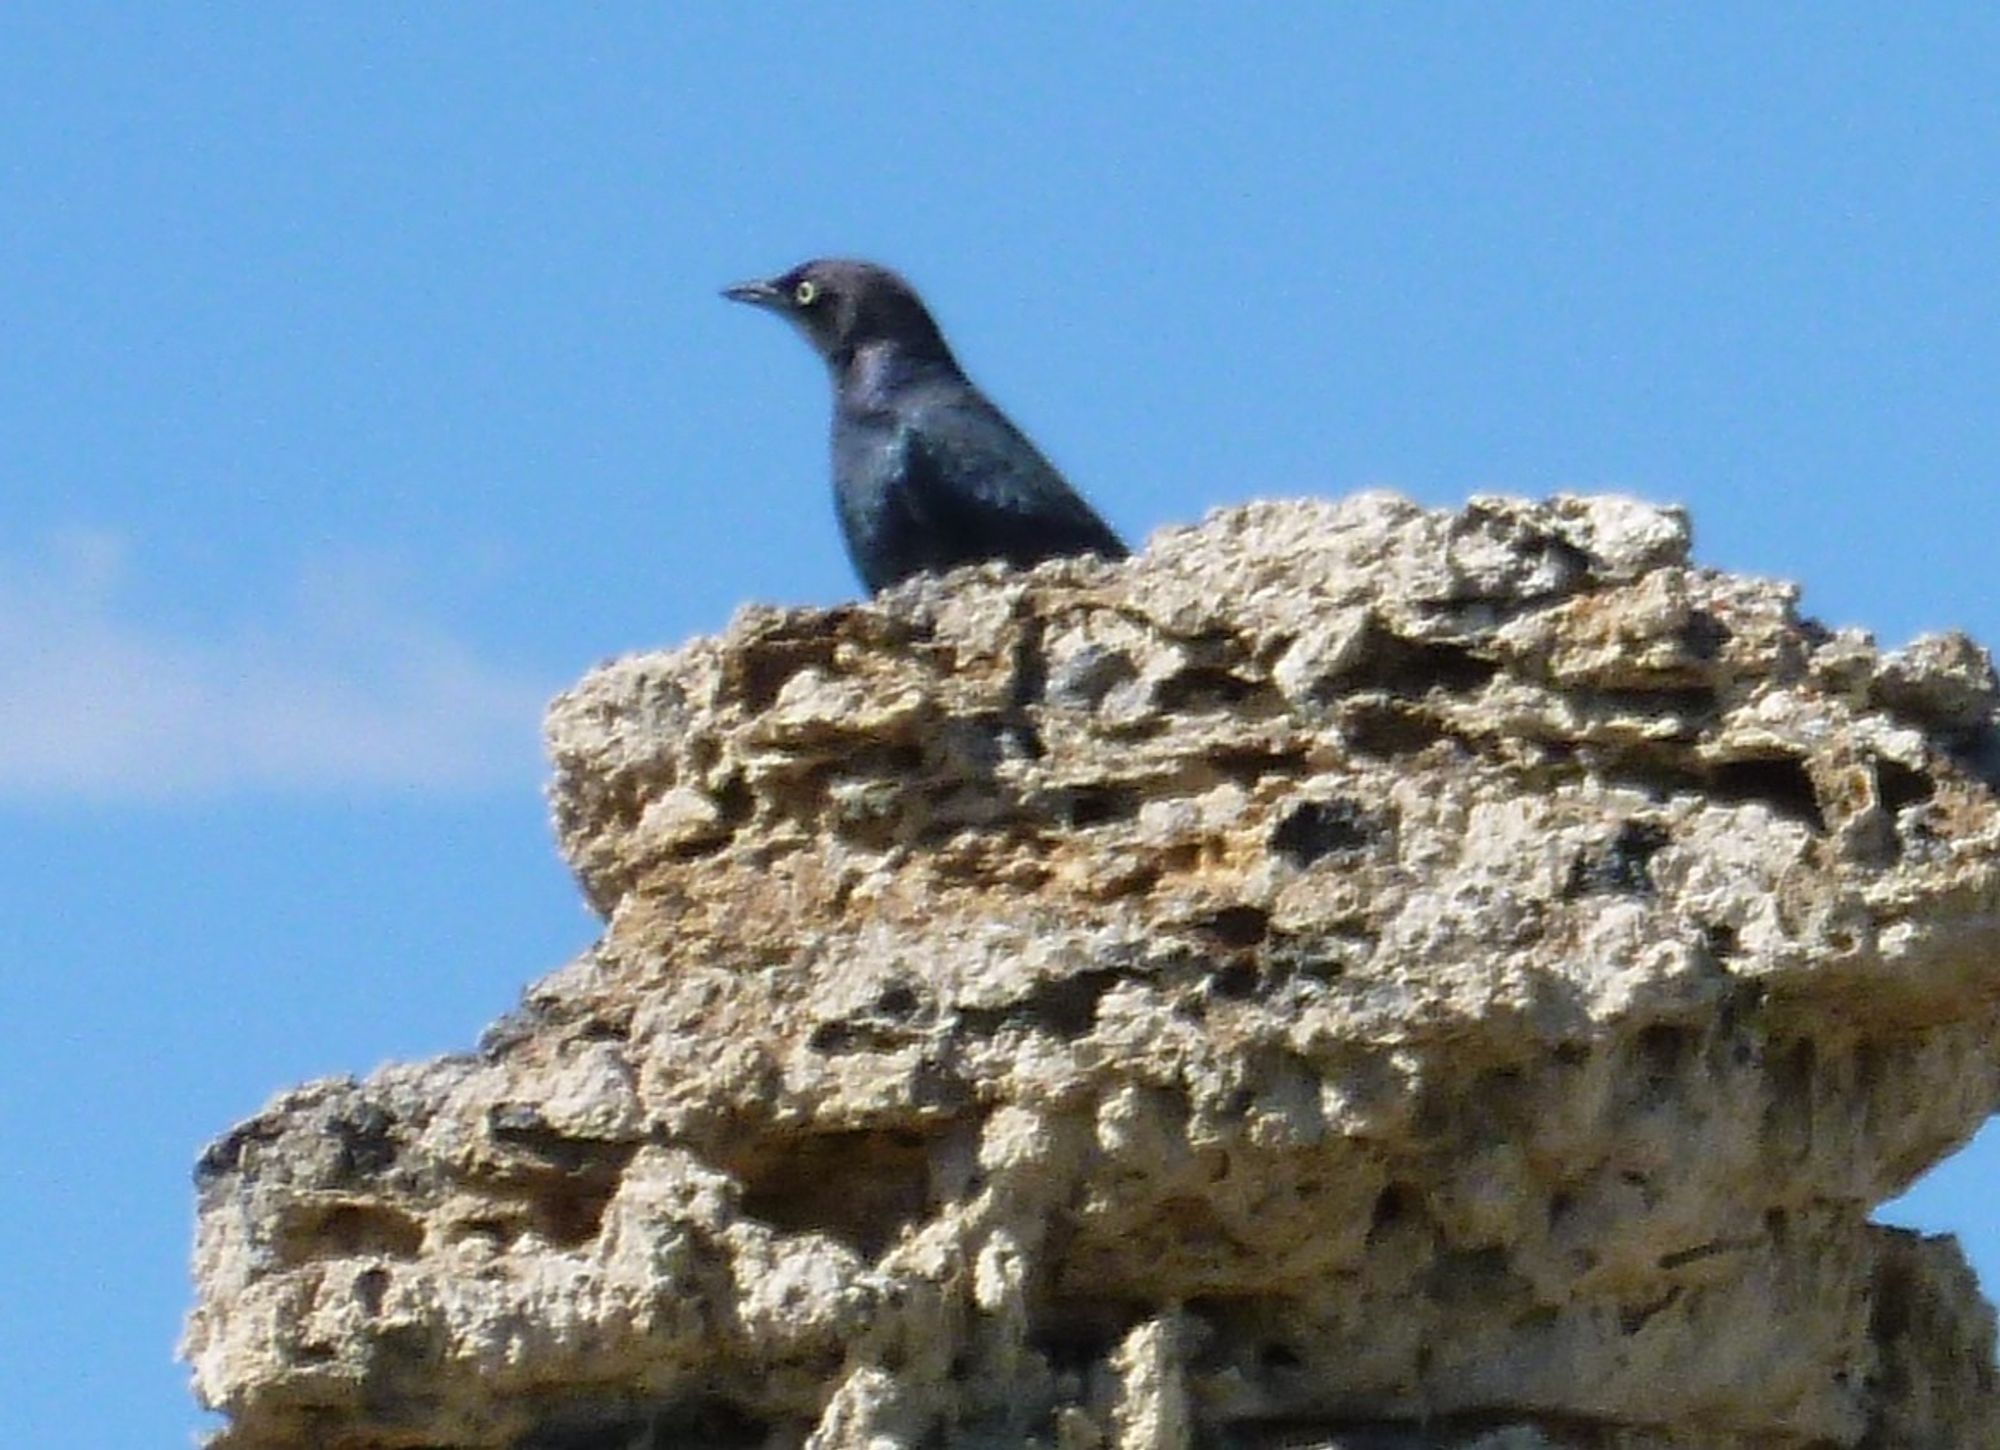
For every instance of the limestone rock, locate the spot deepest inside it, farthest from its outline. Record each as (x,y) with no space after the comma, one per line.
(1354,976)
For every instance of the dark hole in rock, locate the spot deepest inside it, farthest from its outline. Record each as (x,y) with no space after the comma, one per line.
(1791,1075)
(1275,1358)
(1868,1063)
(1236,926)
(1393,1205)
(570,1212)
(1780,782)
(1572,562)
(1137,881)
(1556,755)
(1074,1335)
(884,1026)
(1066,1006)
(566,1183)
(349,1230)
(938,1085)
(1386,729)
(734,800)
(1070,1348)
(1476,1430)
(497,1232)
(1315,829)
(1248,764)
(1901,786)
(1188,1227)
(1201,687)
(1325,960)
(834,1038)
(1031,665)
(1474,1276)
(371,1286)
(858,1034)
(518,1122)
(367,1141)
(1704,635)
(1976,751)
(1620,866)
(702,1423)
(861,1188)
(1634,1317)
(1499,1103)
(1411,669)
(696,847)
(963,752)
(1020,740)
(734,803)
(521,1126)
(1080,807)
(1687,705)
(895,762)
(759,670)
(397,1382)
(1719,938)
(1235,981)
(1237,1316)
(1792,1070)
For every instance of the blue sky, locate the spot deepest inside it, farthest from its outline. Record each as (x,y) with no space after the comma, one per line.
(362,380)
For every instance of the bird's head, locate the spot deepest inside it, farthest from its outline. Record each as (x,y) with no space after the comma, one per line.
(843,306)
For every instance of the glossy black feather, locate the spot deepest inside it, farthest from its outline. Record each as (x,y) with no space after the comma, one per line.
(927,473)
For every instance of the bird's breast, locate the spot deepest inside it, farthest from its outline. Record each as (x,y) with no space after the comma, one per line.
(865,458)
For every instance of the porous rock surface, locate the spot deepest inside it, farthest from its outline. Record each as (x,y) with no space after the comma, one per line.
(1354,976)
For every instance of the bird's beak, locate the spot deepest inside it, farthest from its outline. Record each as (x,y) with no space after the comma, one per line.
(759,294)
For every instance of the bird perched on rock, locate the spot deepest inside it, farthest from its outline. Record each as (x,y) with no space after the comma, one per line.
(927,474)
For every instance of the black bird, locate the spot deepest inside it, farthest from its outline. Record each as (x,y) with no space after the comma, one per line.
(927,474)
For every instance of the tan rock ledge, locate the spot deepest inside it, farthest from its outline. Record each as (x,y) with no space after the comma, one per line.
(1355,976)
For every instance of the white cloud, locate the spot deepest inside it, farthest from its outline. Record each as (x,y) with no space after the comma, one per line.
(338,687)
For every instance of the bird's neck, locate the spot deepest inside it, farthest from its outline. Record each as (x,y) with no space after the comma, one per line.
(869,377)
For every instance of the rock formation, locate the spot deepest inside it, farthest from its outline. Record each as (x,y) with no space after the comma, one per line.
(1355,976)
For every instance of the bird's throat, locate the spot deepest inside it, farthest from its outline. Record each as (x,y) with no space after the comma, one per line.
(875,374)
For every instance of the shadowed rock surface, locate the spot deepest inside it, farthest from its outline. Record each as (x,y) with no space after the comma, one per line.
(1353,977)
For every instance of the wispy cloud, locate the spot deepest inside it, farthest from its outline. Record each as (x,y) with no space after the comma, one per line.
(340,685)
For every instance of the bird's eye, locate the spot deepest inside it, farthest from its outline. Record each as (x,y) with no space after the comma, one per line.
(806,293)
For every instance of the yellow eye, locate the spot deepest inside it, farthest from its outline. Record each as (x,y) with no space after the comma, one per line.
(806,293)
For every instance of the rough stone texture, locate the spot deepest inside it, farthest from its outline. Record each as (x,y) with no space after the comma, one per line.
(1353,977)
